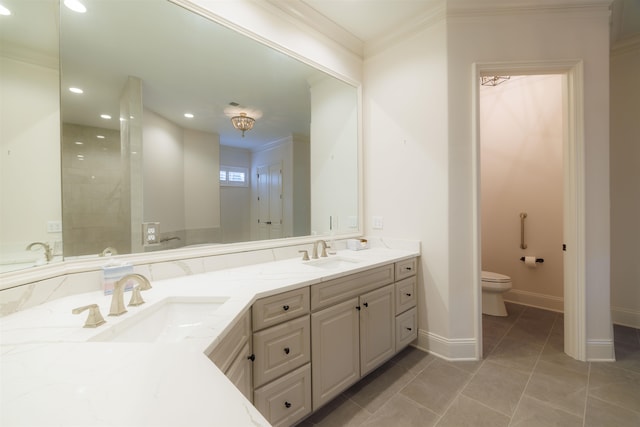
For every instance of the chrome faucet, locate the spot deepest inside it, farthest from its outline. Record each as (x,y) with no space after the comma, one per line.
(48,254)
(117,300)
(315,249)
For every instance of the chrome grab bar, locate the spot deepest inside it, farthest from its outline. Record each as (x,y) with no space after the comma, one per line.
(523,245)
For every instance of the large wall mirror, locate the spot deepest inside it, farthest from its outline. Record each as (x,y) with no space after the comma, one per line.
(148,154)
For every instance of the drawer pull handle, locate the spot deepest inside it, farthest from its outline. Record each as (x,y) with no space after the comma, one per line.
(408,294)
(409,329)
(408,268)
(252,357)
(287,405)
(285,307)
(287,350)
(366,304)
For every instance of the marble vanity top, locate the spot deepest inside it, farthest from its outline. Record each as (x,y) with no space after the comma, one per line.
(53,372)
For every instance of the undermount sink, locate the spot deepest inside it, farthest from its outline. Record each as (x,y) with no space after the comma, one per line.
(333,262)
(170,320)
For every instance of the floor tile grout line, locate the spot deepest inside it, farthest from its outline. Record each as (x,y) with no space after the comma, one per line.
(515,409)
(415,375)
(586,399)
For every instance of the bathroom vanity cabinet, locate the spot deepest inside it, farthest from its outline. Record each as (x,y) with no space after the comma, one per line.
(354,326)
(282,348)
(297,350)
(233,356)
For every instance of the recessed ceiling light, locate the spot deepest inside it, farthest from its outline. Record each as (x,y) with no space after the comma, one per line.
(100,136)
(4,11)
(79,142)
(75,5)
(80,156)
(75,90)
(188,115)
(105,116)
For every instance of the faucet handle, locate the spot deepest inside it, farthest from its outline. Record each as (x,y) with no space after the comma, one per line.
(324,249)
(136,297)
(305,254)
(94,319)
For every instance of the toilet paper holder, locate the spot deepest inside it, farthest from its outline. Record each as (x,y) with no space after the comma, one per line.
(540,260)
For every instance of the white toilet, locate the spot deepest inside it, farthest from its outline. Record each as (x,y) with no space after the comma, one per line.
(493,286)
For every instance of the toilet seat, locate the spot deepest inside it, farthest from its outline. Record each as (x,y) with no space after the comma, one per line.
(491,277)
(495,281)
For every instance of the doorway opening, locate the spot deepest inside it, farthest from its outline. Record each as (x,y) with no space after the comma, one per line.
(571,224)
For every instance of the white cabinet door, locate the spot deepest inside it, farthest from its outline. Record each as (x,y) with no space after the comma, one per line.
(240,372)
(335,350)
(377,329)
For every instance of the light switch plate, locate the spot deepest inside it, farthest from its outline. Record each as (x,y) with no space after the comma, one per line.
(378,223)
(54,226)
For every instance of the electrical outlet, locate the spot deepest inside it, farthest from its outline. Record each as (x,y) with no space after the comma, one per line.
(353,221)
(54,226)
(150,233)
(378,223)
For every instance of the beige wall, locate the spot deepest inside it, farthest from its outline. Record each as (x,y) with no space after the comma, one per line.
(625,184)
(415,86)
(29,141)
(181,182)
(235,202)
(521,137)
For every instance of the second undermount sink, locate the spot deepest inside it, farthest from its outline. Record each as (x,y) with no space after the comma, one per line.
(170,320)
(333,262)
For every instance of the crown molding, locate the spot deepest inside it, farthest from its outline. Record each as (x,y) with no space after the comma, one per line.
(436,13)
(626,45)
(23,54)
(310,17)
(465,8)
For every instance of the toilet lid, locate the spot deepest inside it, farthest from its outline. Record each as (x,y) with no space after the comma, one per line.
(489,276)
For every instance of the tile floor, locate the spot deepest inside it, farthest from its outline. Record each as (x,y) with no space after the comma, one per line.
(525,379)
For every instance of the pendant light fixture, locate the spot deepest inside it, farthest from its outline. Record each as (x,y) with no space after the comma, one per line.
(243,122)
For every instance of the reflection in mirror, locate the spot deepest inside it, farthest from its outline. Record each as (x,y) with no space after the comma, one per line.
(150,157)
(30,210)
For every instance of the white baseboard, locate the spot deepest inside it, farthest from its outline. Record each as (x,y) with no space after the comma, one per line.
(625,317)
(600,351)
(448,349)
(547,302)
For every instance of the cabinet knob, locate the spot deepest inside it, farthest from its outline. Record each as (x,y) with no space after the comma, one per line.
(287,350)
(252,357)
(358,307)
(366,304)
(409,329)
(285,307)
(407,294)
(287,405)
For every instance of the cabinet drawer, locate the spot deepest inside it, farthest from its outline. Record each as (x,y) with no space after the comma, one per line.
(225,352)
(406,328)
(406,268)
(287,399)
(405,294)
(281,349)
(279,308)
(338,290)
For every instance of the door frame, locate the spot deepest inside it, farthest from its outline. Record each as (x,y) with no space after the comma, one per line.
(575,337)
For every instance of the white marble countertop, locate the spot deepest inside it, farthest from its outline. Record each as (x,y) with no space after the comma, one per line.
(54,372)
